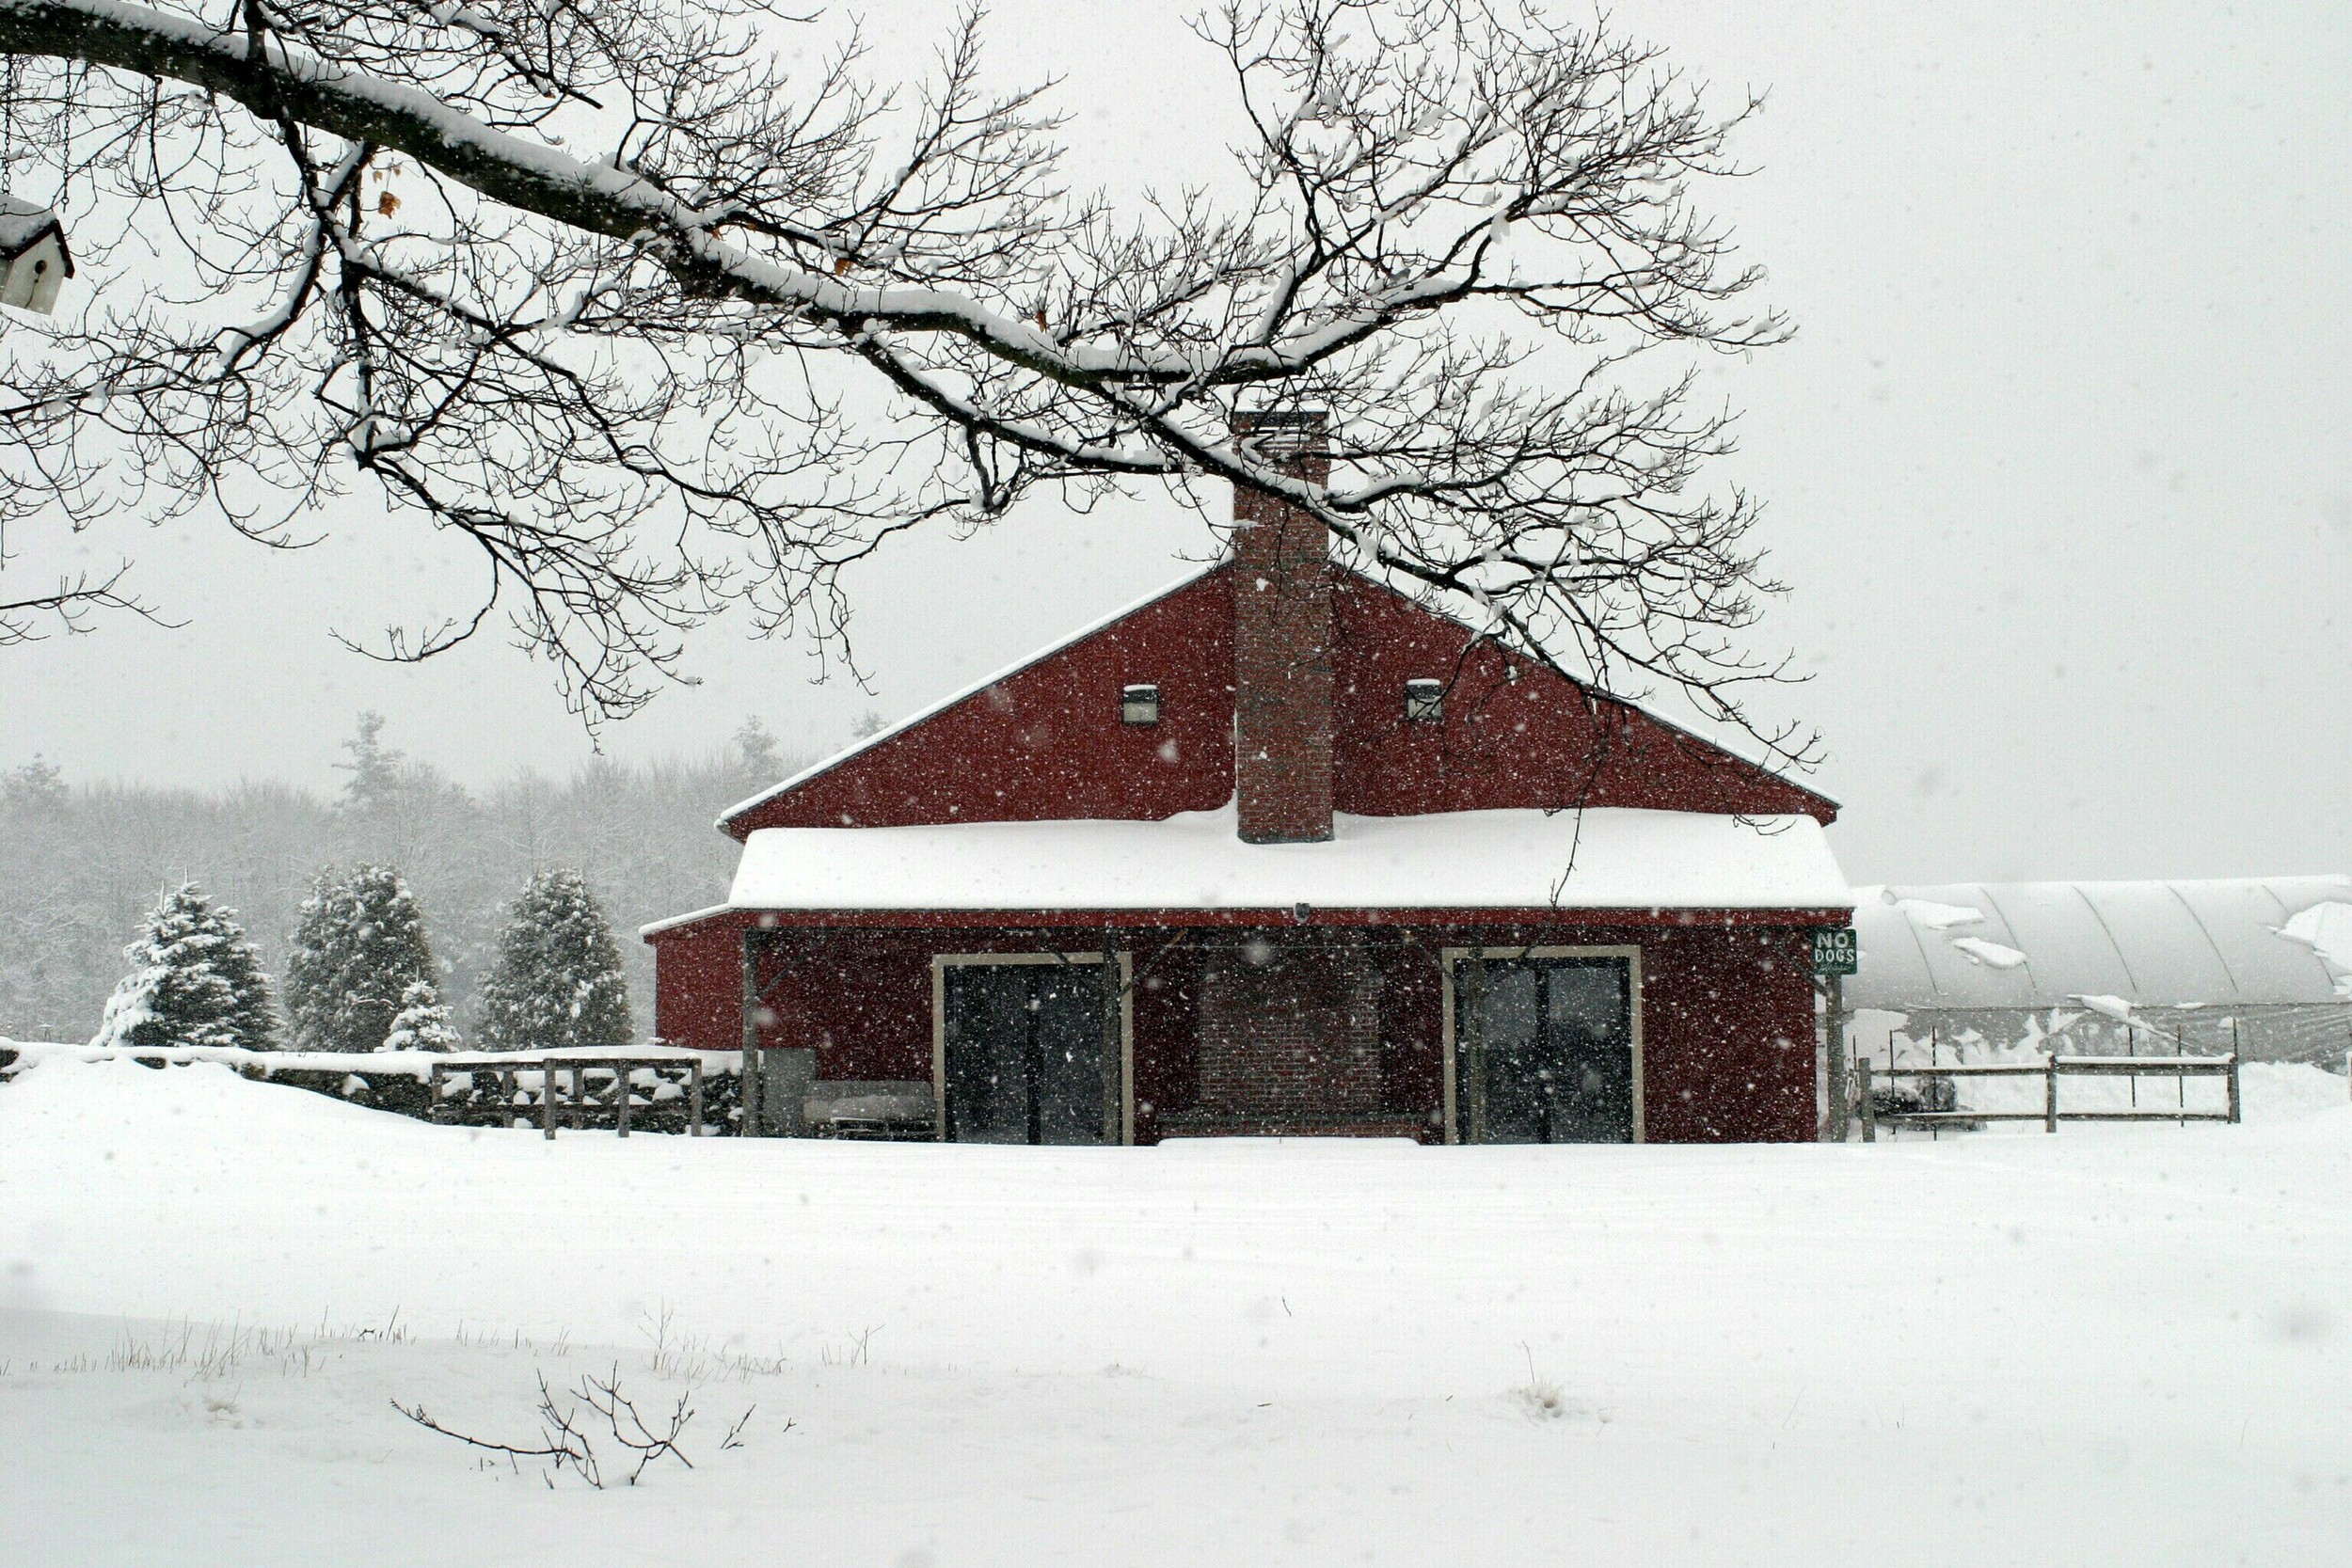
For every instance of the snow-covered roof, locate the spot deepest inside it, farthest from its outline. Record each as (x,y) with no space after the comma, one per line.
(2035,945)
(1599,859)
(22,224)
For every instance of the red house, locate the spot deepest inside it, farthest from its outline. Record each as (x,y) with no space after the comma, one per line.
(1277,850)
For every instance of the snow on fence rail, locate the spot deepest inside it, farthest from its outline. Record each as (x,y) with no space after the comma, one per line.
(457,1096)
(1941,1109)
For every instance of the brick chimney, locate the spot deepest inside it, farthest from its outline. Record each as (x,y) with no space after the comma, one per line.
(1282,643)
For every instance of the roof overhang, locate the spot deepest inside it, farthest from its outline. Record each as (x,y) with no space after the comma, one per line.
(24,225)
(1522,862)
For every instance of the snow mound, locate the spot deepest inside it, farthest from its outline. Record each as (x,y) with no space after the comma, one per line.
(2327,930)
(60,1094)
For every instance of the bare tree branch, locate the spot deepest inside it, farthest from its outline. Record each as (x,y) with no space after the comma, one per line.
(660,324)
(74,601)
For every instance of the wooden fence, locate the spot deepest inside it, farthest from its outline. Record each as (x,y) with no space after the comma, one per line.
(602,1093)
(2049,1069)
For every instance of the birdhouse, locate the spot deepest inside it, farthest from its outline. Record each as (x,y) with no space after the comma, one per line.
(33,254)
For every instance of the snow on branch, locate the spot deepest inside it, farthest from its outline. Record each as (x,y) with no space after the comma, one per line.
(657,321)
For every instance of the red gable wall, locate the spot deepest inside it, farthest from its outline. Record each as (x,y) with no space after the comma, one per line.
(1046,742)
(1515,733)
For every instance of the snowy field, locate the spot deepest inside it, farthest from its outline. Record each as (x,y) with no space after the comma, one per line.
(2126,1345)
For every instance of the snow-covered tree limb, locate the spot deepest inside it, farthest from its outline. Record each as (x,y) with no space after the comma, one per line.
(659,322)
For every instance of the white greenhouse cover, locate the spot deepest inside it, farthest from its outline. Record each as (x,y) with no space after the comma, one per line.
(1603,858)
(2157,944)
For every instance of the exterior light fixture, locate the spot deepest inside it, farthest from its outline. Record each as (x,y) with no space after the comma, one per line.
(1424,702)
(1140,705)
(33,257)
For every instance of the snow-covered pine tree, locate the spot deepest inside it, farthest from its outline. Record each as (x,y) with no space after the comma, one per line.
(357,957)
(558,985)
(423,1023)
(193,980)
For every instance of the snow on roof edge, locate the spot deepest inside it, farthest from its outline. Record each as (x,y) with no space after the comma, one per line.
(649,929)
(965,694)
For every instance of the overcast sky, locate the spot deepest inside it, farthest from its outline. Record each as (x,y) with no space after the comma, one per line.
(2057,464)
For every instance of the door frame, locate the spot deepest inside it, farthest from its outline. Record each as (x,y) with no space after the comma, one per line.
(1118,1108)
(1449,956)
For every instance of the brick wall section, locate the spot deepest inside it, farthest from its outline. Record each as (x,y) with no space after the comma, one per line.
(1296,1038)
(1282,653)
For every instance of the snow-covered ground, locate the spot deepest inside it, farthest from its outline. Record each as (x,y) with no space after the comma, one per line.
(2128,1345)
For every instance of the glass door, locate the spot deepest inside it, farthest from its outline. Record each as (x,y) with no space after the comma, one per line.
(1025,1062)
(1544,1050)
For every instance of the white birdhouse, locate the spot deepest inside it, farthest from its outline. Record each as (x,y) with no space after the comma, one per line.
(32,250)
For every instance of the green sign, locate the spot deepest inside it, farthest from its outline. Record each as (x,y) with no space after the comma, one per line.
(1834,950)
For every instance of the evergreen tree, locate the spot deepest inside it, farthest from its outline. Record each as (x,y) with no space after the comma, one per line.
(37,789)
(558,985)
(757,751)
(375,768)
(356,955)
(193,980)
(423,1023)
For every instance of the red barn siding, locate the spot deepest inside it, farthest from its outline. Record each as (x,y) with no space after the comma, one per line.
(698,984)
(1727,1035)
(1046,743)
(1412,1030)
(1515,733)
(863,1000)
(1726,1013)
(1167,1049)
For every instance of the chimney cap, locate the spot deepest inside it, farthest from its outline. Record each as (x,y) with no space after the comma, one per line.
(1283,432)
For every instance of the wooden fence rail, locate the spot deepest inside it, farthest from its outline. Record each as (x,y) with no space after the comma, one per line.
(2049,1069)
(601,1094)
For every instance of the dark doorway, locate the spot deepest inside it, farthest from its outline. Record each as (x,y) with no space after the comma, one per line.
(1544,1051)
(1025,1057)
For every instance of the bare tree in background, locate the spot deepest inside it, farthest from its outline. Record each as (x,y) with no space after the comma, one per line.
(660,322)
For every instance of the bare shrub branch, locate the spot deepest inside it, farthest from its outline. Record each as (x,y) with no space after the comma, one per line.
(566,1442)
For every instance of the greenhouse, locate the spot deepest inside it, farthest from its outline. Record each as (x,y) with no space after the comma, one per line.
(2261,966)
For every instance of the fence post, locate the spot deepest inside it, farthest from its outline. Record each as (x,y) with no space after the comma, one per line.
(546,1096)
(620,1087)
(2049,1095)
(694,1095)
(2233,1090)
(1869,1102)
